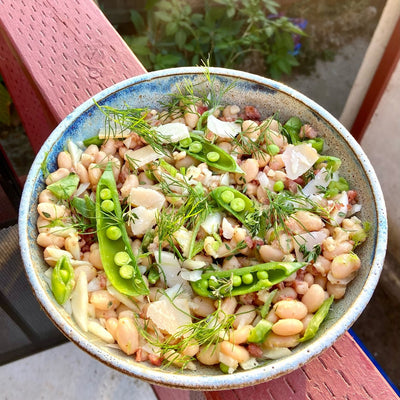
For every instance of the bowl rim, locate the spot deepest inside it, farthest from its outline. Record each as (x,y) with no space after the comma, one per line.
(209,382)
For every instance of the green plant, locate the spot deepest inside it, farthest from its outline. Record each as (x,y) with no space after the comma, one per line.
(5,103)
(170,33)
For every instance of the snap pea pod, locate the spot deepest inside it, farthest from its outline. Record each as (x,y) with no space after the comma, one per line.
(234,282)
(62,280)
(317,319)
(317,143)
(65,187)
(259,332)
(241,207)
(204,151)
(93,140)
(330,162)
(115,251)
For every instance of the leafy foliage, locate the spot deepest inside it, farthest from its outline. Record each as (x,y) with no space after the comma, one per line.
(171,33)
(5,103)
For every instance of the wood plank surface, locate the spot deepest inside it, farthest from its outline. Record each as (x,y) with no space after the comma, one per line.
(54,55)
(343,371)
(57,54)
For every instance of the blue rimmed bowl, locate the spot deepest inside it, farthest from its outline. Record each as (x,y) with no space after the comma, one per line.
(269,97)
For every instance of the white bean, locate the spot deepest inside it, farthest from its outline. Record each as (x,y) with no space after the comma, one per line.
(271,253)
(313,298)
(51,211)
(202,306)
(46,196)
(344,265)
(103,300)
(72,245)
(209,355)
(64,160)
(127,336)
(240,335)
(57,175)
(82,173)
(47,239)
(94,256)
(250,169)
(237,352)
(287,327)
(337,290)
(290,309)
(244,316)
(274,340)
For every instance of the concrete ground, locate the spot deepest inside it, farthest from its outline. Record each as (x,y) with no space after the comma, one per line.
(74,374)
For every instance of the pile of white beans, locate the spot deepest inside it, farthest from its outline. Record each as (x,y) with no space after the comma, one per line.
(117,319)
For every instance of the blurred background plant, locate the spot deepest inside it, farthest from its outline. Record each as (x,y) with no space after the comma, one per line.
(171,33)
(5,104)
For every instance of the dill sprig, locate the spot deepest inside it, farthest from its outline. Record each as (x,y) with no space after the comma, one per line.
(284,204)
(208,332)
(209,92)
(255,146)
(132,119)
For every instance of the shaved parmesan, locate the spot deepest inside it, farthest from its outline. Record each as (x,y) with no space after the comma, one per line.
(183,237)
(170,266)
(223,129)
(211,223)
(299,159)
(148,198)
(320,181)
(191,276)
(193,264)
(172,132)
(142,156)
(146,219)
(169,317)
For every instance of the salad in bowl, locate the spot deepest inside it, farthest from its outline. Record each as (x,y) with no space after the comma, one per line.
(205,231)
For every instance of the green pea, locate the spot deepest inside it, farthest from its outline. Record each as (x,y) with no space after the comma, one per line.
(212,283)
(279,186)
(126,271)
(247,279)
(64,275)
(113,232)
(195,147)
(272,149)
(121,258)
(236,280)
(238,204)
(203,284)
(107,205)
(185,142)
(262,275)
(105,194)
(227,196)
(212,156)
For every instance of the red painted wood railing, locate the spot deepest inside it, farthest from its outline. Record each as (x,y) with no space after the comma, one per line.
(56,54)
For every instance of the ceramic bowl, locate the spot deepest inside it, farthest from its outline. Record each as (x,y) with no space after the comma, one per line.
(269,97)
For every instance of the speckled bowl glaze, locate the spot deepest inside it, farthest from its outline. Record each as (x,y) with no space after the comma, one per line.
(269,97)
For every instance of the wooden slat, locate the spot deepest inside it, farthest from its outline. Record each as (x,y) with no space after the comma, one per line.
(57,54)
(378,85)
(342,372)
